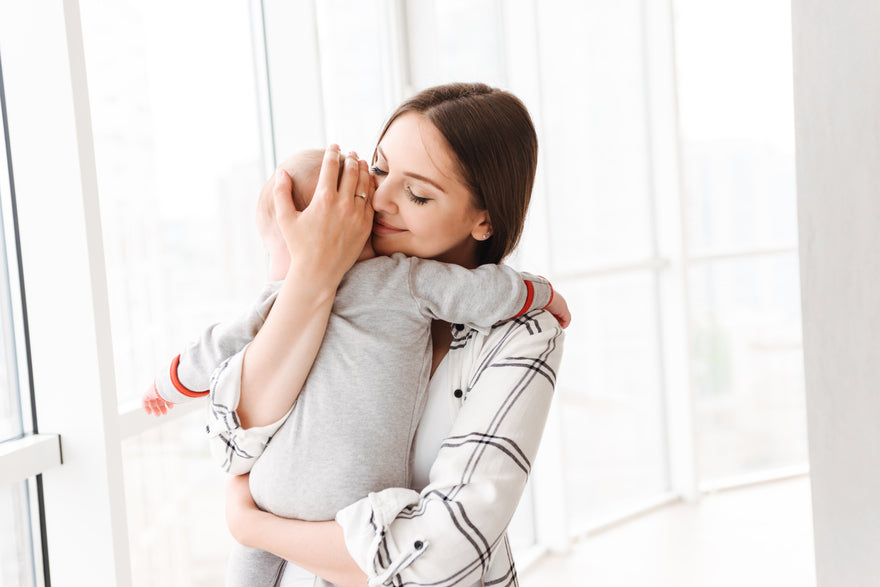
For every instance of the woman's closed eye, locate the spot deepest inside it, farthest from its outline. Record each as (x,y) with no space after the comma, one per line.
(378,172)
(416,199)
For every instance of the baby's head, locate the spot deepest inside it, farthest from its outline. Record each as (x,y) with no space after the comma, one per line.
(304,168)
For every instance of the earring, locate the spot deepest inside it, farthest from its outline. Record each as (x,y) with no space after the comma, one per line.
(486,235)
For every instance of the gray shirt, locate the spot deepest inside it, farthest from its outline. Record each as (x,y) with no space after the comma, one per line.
(351,429)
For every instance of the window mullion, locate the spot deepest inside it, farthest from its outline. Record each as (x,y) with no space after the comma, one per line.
(62,257)
(671,242)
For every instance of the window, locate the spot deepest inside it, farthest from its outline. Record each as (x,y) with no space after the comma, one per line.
(600,196)
(20,492)
(180,160)
(16,540)
(737,136)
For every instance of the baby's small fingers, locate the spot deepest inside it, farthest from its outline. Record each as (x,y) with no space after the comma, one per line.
(564,320)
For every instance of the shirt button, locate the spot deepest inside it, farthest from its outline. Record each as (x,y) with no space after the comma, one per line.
(459,327)
(457,393)
(418,545)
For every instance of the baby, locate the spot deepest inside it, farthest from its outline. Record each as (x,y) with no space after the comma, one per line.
(351,429)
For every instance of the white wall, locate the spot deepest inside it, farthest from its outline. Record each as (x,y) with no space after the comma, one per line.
(837,113)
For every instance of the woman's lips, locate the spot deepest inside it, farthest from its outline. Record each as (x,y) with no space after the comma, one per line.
(383,229)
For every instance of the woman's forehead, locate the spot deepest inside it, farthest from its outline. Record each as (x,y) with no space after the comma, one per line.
(414,145)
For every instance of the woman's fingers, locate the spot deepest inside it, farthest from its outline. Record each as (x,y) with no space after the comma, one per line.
(282,195)
(364,190)
(329,171)
(349,180)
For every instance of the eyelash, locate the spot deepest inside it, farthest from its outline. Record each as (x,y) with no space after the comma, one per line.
(418,200)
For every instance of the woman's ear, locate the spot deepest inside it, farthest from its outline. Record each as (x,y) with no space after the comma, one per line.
(483,228)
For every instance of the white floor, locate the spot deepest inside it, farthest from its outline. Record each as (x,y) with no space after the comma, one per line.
(752,537)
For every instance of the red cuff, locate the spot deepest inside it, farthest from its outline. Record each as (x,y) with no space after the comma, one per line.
(180,386)
(530,297)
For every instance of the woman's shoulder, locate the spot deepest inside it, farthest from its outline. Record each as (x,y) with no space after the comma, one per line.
(534,337)
(533,329)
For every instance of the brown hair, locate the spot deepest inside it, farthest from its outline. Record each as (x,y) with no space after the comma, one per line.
(493,139)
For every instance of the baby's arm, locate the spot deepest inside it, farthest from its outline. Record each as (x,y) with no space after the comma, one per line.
(480,297)
(189,373)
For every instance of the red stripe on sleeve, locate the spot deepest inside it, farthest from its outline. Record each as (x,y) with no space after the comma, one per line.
(180,386)
(530,296)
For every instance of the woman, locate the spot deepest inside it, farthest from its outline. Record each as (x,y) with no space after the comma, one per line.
(454,168)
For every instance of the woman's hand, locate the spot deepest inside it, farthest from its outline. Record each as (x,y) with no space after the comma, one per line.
(326,238)
(240,508)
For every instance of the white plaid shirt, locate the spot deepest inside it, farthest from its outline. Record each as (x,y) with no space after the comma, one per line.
(454,531)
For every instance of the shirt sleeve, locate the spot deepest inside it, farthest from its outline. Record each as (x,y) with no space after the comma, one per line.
(445,535)
(234,449)
(190,372)
(477,297)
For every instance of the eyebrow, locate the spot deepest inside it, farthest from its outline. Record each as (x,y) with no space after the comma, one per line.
(411,174)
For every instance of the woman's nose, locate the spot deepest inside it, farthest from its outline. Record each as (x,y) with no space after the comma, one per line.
(382,200)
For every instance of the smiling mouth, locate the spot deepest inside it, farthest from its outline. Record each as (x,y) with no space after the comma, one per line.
(382,229)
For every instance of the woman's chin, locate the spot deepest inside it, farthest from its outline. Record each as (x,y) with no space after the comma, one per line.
(385,245)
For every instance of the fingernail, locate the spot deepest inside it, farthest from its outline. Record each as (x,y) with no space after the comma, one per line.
(333,147)
(354,154)
(279,174)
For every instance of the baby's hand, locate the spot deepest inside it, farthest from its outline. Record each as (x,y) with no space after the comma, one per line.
(559,308)
(153,403)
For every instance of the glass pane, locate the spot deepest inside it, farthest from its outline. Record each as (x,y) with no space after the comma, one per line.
(177,142)
(16,540)
(175,500)
(748,366)
(16,544)
(443,38)
(595,133)
(612,408)
(10,398)
(351,36)
(737,123)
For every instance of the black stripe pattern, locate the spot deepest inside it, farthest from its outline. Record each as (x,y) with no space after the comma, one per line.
(453,533)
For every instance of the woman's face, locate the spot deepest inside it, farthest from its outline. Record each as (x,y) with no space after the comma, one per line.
(423,209)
